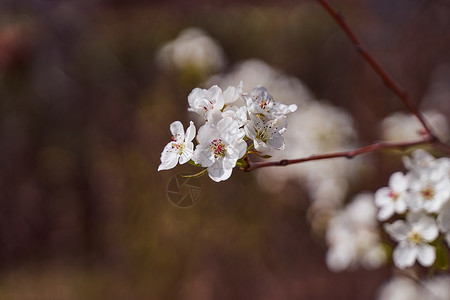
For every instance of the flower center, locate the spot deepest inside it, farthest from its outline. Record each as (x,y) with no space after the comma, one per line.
(393,195)
(264,103)
(179,147)
(415,238)
(263,134)
(427,193)
(218,148)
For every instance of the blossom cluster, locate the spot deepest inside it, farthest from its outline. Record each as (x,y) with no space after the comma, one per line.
(421,199)
(353,237)
(232,118)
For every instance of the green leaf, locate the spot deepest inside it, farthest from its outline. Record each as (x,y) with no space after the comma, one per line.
(193,163)
(259,154)
(441,257)
(201,173)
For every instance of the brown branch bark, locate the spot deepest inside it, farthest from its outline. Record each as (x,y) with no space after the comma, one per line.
(387,79)
(428,135)
(377,146)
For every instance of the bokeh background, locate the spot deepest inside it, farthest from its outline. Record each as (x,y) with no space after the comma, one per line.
(86,99)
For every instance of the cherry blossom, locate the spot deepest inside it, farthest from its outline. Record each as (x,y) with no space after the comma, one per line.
(266,133)
(392,199)
(260,102)
(219,148)
(203,101)
(413,237)
(180,149)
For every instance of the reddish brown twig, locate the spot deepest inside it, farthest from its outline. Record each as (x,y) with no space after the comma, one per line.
(428,135)
(387,79)
(345,154)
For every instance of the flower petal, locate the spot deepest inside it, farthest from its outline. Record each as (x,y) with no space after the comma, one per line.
(217,173)
(426,255)
(397,230)
(404,255)
(190,132)
(169,158)
(177,130)
(385,212)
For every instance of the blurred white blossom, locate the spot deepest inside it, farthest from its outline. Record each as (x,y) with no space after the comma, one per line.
(400,126)
(353,236)
(192,48)
(400,288)
(404,288)
(413,237)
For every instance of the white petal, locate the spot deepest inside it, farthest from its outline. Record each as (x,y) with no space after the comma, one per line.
(241,147)
(217,173)
(230,95)
(385,212)
(400,206)
(397,230)
(215,95)
(276,142)
(190,132)
(194,95)
(169,158)
(427,228)
(426,255)
(177,130)
(404,256)
(398,182)
(187,153)
(382,196)
(203,156)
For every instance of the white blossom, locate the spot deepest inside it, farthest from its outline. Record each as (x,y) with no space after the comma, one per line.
(400,126)
(429,190)
(260,102)
(400,288)
(392,199)
(204,102)
(180,149)
(353,237)
(193,48)
(266,133)
(413,237)
(220,146)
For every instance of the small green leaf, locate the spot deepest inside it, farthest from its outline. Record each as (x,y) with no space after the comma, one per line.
(441,257)
(259,154)
(193,163)
(201,173)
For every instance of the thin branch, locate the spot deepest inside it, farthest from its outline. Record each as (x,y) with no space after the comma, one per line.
(345,154)
(387,79)
(428,135)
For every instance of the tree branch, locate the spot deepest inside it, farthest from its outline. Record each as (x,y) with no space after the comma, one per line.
(428,135)
(387,79)
(377,146)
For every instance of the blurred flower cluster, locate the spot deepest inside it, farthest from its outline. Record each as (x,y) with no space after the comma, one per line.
(193,48)
(405,288)
(353,236)
(423,195)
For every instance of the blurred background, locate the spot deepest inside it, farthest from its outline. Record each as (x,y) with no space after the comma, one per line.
(88,90)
